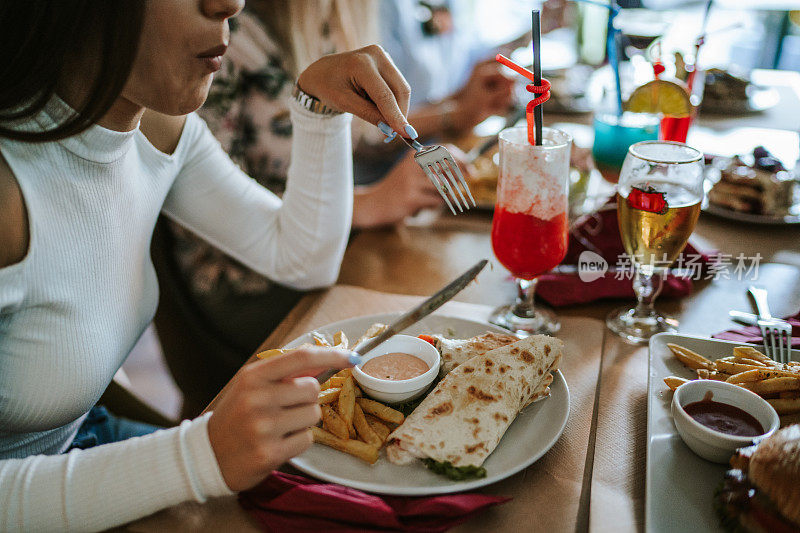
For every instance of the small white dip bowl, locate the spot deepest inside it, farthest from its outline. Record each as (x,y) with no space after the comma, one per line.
(711,444)
(395,391)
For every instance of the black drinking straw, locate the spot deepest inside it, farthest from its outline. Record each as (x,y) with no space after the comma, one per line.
(537,72)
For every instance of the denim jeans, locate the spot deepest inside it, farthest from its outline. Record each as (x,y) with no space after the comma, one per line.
(101,427)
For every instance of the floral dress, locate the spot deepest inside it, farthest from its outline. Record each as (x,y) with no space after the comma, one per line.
(247,111)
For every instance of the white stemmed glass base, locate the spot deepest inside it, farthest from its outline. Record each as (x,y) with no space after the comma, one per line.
(522,317)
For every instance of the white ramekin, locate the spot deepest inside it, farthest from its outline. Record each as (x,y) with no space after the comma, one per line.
(711,444)
(395,391)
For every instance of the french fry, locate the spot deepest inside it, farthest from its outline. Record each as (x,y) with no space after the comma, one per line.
(747,375)
(381,411)
(334,423)
(729,367)
(266,354)
(319,340)
(751,353)
(346,403)
(759,374)
(673,382)
(336,381)
(689,358)
(788,395)
(748,361)
(785,406)
(776,385)
(703,373)
(363,428)
(332,382)
(328,395)
(373,331)
(340,340)
(356,448)
(346,372)
(378,427)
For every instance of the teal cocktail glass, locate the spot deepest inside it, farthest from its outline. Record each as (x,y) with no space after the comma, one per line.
(613,135)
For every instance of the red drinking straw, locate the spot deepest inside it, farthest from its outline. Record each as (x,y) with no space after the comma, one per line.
(542,90)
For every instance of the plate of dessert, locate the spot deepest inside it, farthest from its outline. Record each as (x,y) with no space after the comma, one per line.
(755,188)
(457,426)
(725,93)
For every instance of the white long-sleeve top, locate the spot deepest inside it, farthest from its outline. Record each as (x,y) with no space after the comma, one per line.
(72,309)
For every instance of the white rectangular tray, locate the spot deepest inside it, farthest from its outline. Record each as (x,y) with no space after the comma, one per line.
(680,485)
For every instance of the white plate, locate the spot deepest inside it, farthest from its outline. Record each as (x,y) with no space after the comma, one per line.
(680,485)
(533,432)
(771,220)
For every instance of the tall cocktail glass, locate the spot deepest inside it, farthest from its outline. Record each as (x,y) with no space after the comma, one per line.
(529,229)
(658,202)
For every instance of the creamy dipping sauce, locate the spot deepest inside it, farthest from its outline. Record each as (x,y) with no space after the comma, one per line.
(395,366)
(724,418)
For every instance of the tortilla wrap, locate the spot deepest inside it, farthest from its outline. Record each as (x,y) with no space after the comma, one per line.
(456,351)
(463,419)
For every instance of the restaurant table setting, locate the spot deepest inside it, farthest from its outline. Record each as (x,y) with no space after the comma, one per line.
(593,445)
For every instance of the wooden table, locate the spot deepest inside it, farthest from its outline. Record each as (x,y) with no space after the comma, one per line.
(419,260)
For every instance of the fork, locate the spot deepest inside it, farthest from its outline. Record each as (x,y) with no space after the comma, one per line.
(441,169)
(776,333)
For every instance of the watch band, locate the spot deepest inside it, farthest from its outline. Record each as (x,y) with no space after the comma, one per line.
(312,103)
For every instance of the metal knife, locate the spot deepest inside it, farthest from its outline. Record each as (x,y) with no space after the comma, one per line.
(415,315)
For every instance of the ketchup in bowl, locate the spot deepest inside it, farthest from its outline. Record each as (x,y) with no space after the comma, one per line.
(724,418)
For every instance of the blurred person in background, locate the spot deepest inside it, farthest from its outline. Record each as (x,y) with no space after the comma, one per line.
(457,84)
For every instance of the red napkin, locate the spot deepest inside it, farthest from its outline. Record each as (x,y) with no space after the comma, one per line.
(599,233)
(285,502)
(752,335)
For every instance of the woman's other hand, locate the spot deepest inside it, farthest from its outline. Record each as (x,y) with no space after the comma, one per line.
(263,420)
(487,92)
(364,82)
(403,192)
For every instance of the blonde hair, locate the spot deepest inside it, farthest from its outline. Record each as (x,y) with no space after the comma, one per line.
(295,25)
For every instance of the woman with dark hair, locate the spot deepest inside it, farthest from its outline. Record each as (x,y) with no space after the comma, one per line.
(97,137)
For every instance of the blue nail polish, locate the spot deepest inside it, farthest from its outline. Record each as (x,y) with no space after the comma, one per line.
(385,129)
(411,131)
(389,139)
(354,358)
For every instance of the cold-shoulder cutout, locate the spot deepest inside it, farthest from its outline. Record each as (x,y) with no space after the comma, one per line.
(14,231)
(163,131)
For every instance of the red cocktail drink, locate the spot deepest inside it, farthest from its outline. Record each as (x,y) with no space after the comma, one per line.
(527,245)
(675,128)
(529,229)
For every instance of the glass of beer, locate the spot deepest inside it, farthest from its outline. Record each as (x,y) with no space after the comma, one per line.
(529,228)
(658,202)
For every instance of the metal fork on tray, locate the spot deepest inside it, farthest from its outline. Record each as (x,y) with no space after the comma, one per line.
(777,334)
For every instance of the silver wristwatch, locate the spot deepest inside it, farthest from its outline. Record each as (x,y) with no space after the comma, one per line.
(312,103)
